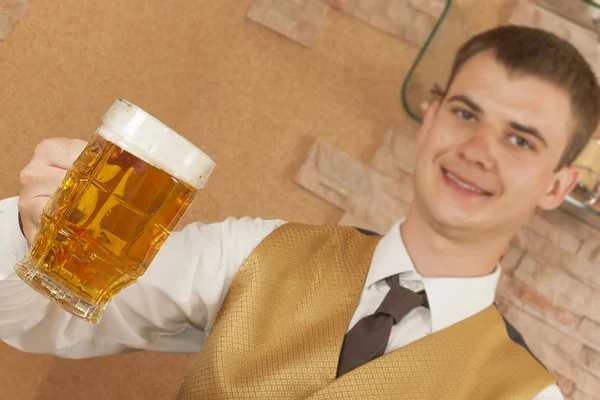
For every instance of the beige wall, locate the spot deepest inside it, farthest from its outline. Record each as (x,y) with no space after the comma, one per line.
(251,99)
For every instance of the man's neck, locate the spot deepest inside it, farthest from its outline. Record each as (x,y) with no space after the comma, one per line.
(436,254)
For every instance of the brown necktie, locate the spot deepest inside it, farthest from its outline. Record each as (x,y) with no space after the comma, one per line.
(368,339)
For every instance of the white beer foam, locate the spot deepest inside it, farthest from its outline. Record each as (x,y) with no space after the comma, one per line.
(142,135)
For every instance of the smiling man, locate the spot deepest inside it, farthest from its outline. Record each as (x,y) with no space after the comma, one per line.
(520,106)
(281,310)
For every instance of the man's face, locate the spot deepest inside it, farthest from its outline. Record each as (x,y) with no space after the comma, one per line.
(489,151)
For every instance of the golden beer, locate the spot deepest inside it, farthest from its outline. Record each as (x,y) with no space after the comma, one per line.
(114,210)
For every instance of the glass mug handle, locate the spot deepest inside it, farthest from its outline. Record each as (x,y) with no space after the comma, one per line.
(588,184)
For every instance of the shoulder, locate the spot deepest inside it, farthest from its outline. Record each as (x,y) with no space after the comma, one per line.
(367,232)
(294,234)
(517,338)
(323,233)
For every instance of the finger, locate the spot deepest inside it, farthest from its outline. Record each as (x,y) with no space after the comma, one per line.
(31,218)
(60,152)
(74,148)
(67,152)
(39,180)
(35,207)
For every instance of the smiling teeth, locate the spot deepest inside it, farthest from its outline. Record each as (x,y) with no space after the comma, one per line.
(463,184)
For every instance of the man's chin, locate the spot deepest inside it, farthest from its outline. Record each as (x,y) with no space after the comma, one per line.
(456,218)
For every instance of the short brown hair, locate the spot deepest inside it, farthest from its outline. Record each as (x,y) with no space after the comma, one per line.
(539,53)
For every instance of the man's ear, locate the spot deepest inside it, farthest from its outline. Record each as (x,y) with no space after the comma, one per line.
(564,181)
(427,122)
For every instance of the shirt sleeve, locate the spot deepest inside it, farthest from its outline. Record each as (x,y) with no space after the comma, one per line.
(552,392)
(171,308)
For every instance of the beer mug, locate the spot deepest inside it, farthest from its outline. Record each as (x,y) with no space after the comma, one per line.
(115,208)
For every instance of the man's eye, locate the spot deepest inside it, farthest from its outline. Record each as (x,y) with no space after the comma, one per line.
(466,115)
(520,141)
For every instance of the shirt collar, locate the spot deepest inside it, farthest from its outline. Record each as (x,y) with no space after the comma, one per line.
(451,300)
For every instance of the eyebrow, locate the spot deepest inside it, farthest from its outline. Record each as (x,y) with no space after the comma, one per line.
(515,125)
(528,130)
(464,99)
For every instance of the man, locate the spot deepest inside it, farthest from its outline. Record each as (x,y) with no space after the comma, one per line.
(282,310)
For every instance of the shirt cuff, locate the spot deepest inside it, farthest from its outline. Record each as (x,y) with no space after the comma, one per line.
(13,245)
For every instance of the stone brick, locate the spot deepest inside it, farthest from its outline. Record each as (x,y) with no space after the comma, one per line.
(380,212)
(586,265)
(315,13)
(539,246)
(326,167)
(354,176)
(590,360)
(299,20)
(10,12)
(410,20)
(577,395)
(373,199)
(589,330)
(431,7)
(558,287)
(367,6)
(566,223)
(419,30)
(14,8)
(510,259)
(557,235)
(423,15)
(526,297)
(343,5)
(349,219)
(397,12)
(305,33)
(273,19)
(530,326)
(503,306)
(6,25)
(554,360)
(397,155)
(567,386)
(382,22)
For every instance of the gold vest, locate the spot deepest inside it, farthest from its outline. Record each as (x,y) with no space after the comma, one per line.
(280,330)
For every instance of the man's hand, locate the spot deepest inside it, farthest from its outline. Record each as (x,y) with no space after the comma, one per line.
(42,176)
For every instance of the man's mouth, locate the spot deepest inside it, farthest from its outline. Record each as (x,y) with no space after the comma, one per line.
(465,185)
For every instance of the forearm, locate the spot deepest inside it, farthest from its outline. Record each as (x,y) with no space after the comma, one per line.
(144,316)
(170,308)
(28,320)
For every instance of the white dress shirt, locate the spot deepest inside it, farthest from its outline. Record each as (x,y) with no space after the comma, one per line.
(173,306)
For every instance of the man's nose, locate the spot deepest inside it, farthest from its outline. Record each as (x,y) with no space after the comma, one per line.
(477,149)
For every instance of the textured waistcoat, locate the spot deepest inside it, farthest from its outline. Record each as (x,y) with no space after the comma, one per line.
(280,331)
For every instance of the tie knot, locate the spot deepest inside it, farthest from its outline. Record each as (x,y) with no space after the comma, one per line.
(368,339)
(400,301)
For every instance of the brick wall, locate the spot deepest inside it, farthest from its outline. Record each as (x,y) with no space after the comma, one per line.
(550,291)
(550,288)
